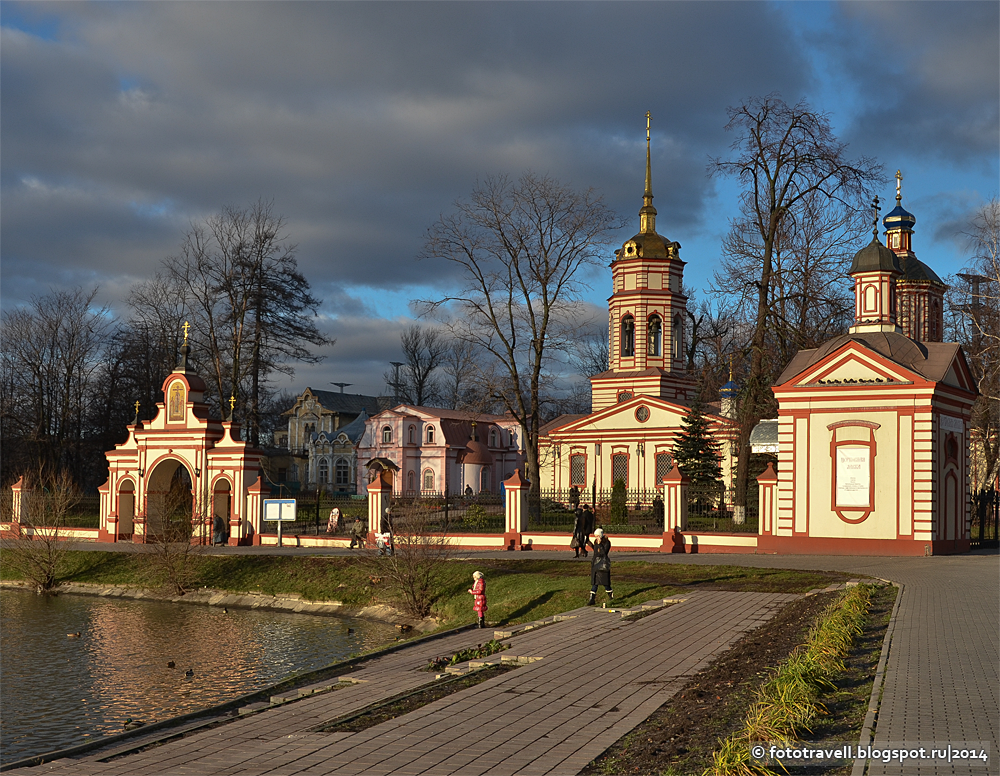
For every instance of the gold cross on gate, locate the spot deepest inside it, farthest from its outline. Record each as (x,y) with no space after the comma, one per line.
(187,328)
(136,411)
(232,405)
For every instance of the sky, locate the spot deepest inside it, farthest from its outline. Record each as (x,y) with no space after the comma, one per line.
(122,124)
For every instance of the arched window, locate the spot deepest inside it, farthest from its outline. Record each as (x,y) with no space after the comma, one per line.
(343,472)
(409,480)
(387,435)
(628,336)
(484,480)
(324,470)
(493,437)
(655,336)
(428,480)
(430,435)
(413,433)
(677,338)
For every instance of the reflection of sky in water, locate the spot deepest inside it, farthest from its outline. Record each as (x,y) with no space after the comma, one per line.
(57,691)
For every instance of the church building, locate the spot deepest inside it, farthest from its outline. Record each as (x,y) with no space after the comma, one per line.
(636,405)
(873,426)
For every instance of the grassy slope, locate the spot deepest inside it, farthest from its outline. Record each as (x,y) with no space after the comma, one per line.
(518,590)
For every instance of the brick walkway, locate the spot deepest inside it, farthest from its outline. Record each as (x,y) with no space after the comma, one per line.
(544,717)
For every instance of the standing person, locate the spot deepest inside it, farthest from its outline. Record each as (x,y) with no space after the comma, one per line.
(588,528)
(580,534)
(358,534)
(478,593)
(218,530)
(600,566)
(334,522)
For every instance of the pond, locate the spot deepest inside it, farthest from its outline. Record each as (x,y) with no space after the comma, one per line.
(60,691)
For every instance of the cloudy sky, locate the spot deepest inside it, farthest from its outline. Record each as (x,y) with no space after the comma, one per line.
(122,123)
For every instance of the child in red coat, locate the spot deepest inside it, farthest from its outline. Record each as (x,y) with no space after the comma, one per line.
(478,592)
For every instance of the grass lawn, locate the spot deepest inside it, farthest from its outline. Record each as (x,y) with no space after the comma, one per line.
(517,590)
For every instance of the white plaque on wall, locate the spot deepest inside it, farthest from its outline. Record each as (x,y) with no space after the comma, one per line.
(948,423)
(853,477)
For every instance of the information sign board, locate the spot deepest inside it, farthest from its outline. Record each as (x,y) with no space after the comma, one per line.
(279,510)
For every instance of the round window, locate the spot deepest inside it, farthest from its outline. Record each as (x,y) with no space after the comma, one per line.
(642,414)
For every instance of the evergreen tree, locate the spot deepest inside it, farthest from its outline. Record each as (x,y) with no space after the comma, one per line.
(696,452)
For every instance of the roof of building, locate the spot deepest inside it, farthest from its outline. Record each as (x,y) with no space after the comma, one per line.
(899,217)
(443,413)
(928,359)
(353,430)
(347,403)
(915,271)
(558,422)
(875,257)
(764,437)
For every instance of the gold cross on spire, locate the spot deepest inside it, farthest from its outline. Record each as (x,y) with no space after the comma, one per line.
(232,405)
(187,328)
(899,186)
(136,413)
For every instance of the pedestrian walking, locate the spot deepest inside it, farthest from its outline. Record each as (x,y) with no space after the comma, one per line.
(579,541)
(588,528)
(600,566)
(333,524)
(358,534)
(478,593)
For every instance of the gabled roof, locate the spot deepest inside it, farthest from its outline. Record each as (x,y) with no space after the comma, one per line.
(930,360)
(345,403)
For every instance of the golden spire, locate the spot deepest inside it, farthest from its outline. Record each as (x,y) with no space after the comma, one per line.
(647,214)
(899,187)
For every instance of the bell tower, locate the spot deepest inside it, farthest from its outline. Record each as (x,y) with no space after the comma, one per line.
(646,315)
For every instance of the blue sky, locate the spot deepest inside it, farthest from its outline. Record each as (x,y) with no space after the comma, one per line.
(124,122)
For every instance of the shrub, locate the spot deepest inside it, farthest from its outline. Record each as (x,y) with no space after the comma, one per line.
(619,506)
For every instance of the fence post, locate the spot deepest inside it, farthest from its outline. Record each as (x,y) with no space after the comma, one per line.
(675,500)
(249,526)
(766,484)
(515,510)
(379,493)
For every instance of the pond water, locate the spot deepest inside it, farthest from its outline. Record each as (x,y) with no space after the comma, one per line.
(58,692)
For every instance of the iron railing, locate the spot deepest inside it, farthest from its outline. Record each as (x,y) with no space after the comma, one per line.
(985,528)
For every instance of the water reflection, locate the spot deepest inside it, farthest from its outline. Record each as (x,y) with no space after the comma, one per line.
(58,691)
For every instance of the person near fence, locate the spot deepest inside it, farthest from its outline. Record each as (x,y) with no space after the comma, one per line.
(574,497)
(588,528)
(600,566)
(333,524)
(219,530)
(478,593)
(358,534)
(579,541)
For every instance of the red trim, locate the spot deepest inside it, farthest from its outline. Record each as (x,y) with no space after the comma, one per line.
(801,545)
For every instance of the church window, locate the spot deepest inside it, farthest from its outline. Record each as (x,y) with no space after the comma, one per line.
(409,481)
(343,472)
(428,479)
(895,239)
(619,468)
(578,470)
(664,463)
(628,336)
(655,335)
(324,470)
(413,433)
(387,435)
(624,396)
(430,435)
(493,437)
(484,480)
(677,342)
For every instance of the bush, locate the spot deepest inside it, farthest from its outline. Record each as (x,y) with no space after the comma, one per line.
(619,506)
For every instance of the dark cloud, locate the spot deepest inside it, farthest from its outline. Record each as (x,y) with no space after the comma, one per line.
(124,122)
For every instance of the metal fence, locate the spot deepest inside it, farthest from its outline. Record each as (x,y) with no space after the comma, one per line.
(985,528)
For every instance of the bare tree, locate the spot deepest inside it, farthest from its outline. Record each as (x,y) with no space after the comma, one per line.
(175,524)
(424,349)
(412,572)
(974,299)
(51,351)
(460,366)
(785,157)
(524,249)
(252,307)
(589,354)
(38,550)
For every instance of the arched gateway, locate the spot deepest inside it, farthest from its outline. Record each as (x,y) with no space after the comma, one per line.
(181,466)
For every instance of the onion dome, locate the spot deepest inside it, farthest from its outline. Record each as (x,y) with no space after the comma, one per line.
(899,218)
(875,257)
(477,452)
(729,390)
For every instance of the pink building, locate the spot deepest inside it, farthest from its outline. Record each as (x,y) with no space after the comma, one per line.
(442,451)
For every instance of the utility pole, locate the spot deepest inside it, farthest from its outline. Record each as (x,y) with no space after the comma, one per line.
(395,380)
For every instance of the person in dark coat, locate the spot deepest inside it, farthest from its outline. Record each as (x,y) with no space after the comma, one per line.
(600,566)
(588,528)
(218,530)
(580,534)
(359,534)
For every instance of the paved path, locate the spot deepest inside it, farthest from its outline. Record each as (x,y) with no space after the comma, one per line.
(588,680)
(941,683)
